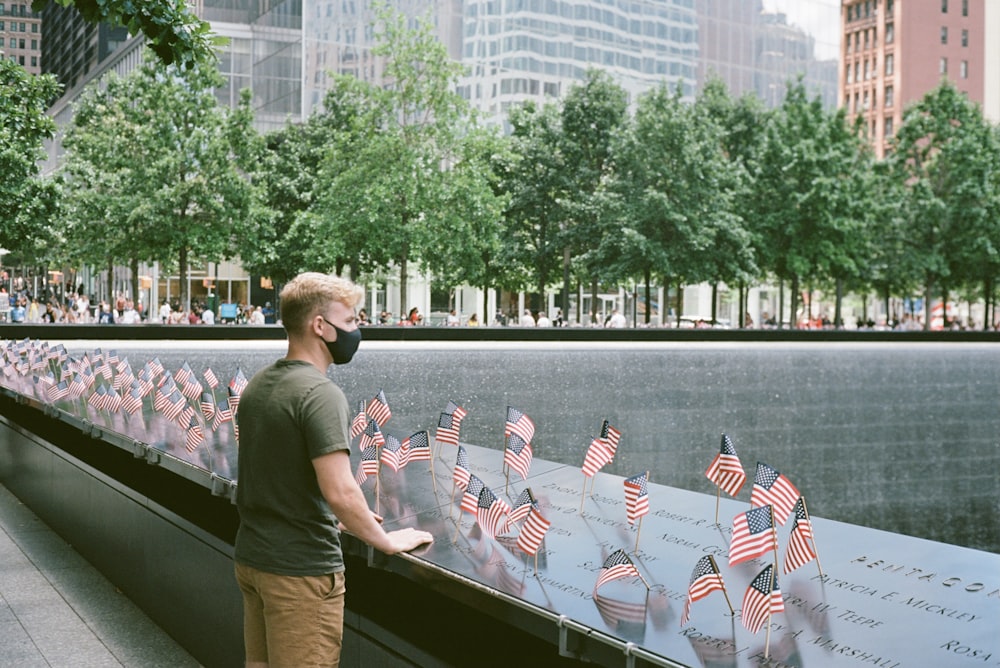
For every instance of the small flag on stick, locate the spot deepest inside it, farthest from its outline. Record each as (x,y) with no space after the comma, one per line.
(771,487)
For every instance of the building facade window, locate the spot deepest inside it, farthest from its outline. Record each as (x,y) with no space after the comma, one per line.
(965,37)
(850,74)
(888,127)
(944,66)
(944,6)
(888,96)
(888,64)
(965,7)
(889,33)
(964,69)
(889,6)
(944,34)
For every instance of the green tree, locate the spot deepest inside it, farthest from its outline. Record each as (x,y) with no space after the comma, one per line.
(384,183)
(156,170)
(171,28)
(945,154)
(24,127)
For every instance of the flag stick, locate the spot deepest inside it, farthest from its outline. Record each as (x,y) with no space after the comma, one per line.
(433,477)
(377,475)
(637,533)
(767,641)
(774,540)
(643,580)
(451,503)
(715,567)
(718,495)
(583,492)
(592,483)
(536,563)
(812,536)
(506,486)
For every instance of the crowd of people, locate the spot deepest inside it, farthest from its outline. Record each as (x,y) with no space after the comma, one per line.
(76,307)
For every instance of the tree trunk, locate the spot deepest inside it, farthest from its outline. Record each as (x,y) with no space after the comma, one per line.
(715,303)
(990,307)
(781,303)
(793,316)
(928,294)
(593,302)
(182,270)
(134,267)
(837,321)
(742,310)
(566,279)
(680,304)
(403,296)
(888,315)
(649,295)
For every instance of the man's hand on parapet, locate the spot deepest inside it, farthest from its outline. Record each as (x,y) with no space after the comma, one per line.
(404,540)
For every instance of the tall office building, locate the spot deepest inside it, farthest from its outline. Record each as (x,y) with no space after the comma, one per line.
(72,49)
(895,51)
(21,35)
(757,47)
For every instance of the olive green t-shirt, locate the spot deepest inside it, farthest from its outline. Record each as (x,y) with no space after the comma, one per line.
(289,414)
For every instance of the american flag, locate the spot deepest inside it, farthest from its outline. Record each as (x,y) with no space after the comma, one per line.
(763,599)
(602,450)
(223,414)
(58,391)
(208,406)
(455,410)
(417,447)
(378,408)
(372,436)
(636,496)
(145,379)
(210,378)
(753,535)
(520,424)
(517,455)
(112,357)
(533,531)
(360,420)
(460,475)
(393,454)
(184,373)
(617,565)
(103,369)
(194,436)
(155,368)
(447,429)
(238,382)
(771,487)
(470,500)
(174,405)
(132,400)
(98,398)
(185,416)
(800,550)
(725,470)
(522,506)
(705,578)
(234,400)
(113,400)
(124,376)
(191,388)
(368,465)
(490,511)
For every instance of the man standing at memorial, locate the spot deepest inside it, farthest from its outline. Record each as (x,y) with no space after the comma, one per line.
(295,483)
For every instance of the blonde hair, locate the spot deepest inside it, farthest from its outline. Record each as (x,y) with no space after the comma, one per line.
(309,293)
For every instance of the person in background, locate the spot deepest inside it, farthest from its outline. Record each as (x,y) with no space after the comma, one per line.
(473,320)
(296,484)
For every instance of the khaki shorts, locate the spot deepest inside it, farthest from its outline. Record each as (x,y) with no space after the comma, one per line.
(292,621)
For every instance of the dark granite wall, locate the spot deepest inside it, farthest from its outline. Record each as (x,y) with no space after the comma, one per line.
(902,437)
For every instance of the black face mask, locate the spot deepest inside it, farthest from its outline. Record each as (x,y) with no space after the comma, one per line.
(346,344)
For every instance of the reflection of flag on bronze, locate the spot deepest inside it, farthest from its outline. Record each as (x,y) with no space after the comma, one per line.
(417,447)
(517,455)
(763,599)
(368,465)
(800,550)
(532,531)
(520,424)
(617,565)
(602,450)
(753,535)
(470,500)
(615,612)
(460,475)
(705,578)
(725,470)
(636,497)
(771,487)
(378,408)
(393,454)
(360,420)
(490,511)
(372,436)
